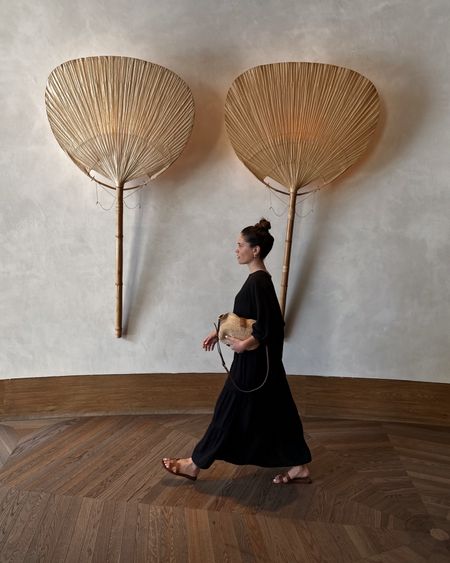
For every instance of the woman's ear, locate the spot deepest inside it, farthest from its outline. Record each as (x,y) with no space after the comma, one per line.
(256,251)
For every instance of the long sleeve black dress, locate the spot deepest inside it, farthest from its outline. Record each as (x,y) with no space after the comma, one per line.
(260,428)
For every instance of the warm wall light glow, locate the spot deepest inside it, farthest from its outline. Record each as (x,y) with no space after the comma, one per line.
(300,126)
(119,119)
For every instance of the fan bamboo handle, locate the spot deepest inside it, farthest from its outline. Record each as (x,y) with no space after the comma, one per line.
(287,250)
(119,259)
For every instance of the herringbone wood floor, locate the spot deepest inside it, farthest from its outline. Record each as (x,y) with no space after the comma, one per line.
(93,489)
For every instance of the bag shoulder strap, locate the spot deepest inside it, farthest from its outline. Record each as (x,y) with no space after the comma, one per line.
(228,371)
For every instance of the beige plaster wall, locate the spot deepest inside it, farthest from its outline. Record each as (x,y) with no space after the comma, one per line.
(369,292)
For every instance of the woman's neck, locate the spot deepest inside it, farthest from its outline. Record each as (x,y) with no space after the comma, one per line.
(256,265)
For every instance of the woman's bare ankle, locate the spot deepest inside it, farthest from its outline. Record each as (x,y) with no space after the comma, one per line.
(193,468)
(298,471)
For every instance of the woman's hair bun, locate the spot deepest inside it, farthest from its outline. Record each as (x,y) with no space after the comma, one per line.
(258,235)
(263,224)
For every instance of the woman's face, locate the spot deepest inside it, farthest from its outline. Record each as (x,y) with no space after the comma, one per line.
(244,252)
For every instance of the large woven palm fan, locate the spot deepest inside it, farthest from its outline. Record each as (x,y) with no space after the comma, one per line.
(120,120)
(299,126)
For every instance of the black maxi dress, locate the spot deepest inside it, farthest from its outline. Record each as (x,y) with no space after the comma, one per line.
(261,428)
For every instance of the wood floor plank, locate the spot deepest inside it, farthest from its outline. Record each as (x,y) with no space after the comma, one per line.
(403,554)
(8,442)
(26,525)
(10,508)
(48,530)
(84,475)
(111,529)
(55,446)
(66,531)
(5,491)
(143,539)
(105,525)
(126,476)
(94,490)
(45,433)
(223,538)
(26,430)
(79,532)
(278,539)
(87,551)
(167,534)
(367,541)
(199,540)
(129,539)
(249,537)
(68,461)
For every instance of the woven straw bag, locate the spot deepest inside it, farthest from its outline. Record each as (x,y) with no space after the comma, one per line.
(232,325)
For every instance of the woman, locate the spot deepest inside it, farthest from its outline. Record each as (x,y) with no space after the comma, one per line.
(261,427)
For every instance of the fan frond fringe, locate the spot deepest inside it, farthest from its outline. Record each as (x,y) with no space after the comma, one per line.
(120,117)
(297,122)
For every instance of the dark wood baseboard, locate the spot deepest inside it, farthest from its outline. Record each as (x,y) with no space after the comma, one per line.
(316,396)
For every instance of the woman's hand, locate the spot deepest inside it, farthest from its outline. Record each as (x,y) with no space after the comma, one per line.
(235,344)
(240,346)
(210,341)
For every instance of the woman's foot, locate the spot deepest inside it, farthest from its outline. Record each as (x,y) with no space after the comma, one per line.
(297,474)
(184,467)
